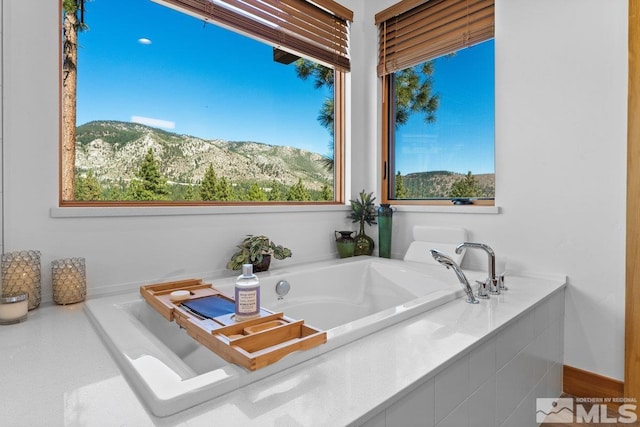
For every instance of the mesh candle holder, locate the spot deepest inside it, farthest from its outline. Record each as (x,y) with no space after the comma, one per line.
(21,273)
(69,280)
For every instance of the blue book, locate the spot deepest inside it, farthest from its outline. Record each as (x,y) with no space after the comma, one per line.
(210,307)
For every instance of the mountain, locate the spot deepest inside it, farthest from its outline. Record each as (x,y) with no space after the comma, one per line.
(114,150)
(436,184)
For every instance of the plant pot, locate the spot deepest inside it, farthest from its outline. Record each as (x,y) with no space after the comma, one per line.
(262,265)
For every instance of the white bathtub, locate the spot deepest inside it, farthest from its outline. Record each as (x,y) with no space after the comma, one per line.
(348,298)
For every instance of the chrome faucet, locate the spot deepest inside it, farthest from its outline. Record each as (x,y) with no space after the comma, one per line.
(449,263)
(492,284)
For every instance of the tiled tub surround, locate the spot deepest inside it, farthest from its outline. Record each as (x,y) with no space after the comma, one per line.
(495,382)
(54,367)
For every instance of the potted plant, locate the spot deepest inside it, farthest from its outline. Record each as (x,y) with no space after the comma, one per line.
(363,210)
(257,250)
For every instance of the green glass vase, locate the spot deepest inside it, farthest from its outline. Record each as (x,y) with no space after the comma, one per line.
(345,243)
(364,243)
(385,221)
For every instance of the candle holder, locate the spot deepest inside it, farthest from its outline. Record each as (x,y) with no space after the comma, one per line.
(69,280)
(21,273)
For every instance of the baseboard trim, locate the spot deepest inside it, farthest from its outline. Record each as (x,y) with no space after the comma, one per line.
(579,383)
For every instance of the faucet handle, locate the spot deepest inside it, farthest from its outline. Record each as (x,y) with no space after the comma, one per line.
(482,289)
(501,285)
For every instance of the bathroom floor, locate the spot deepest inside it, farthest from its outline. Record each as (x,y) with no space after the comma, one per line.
(611,413)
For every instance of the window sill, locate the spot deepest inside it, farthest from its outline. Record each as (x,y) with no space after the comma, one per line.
(102,212)
(452,209)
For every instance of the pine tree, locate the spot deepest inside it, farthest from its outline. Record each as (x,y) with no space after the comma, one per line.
(87,188)
(209,184)
(466,186)
(190,192)
(256,194)
(224,192)
(401,190)
(275,194)
(327,193)
(151,184)
(72,23)
(298,192)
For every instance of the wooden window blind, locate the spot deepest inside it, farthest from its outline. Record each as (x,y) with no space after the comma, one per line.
(318,29)
(415,31)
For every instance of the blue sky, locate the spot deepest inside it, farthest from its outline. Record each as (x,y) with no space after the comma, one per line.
(141,61)
(462,137)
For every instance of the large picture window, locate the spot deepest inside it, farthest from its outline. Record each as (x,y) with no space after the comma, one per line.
(184,102)
(436,62)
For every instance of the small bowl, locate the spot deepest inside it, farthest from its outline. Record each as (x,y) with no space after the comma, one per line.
(13,308)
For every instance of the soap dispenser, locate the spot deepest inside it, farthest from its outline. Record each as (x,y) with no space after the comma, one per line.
(247,294)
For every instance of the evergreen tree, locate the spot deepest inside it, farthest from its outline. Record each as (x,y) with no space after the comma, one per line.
(256,194)
(150,183)
(401,190)
(414,93)
(275,194)
(466,186)
(298,192)
(209,184)
(72,23)
(190,192)
(327,193)
(87,188)
(224,191)
(116,191)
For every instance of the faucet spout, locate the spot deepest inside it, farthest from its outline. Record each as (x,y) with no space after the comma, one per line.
(450,263)
(492,280)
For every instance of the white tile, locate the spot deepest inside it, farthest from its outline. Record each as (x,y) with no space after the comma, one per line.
(556,305)
(459,417)
(377,421)
(513,382)
(451,387)
(416,409)
(513,339)
(482,405)
(553,380)
(556,341)
(541,317)
(541,354)
(482,364)
(524,414)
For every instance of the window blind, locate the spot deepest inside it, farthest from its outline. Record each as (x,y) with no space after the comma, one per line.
(415,31)
(318,29)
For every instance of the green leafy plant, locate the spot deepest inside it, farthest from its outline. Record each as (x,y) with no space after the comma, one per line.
(253,249)
(363,209)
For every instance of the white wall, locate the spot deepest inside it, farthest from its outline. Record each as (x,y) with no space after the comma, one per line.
(560,164)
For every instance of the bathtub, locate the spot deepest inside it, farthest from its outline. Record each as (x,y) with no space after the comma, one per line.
(348,298)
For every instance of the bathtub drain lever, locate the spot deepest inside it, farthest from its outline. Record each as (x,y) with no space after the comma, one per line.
(282,288)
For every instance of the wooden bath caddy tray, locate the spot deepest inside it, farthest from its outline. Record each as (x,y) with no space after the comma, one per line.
(254,343)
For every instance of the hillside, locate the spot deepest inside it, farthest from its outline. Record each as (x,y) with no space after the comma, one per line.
(113,150)
(437,184)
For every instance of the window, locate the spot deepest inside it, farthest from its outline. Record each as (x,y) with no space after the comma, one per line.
(194,102)
(436,62)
